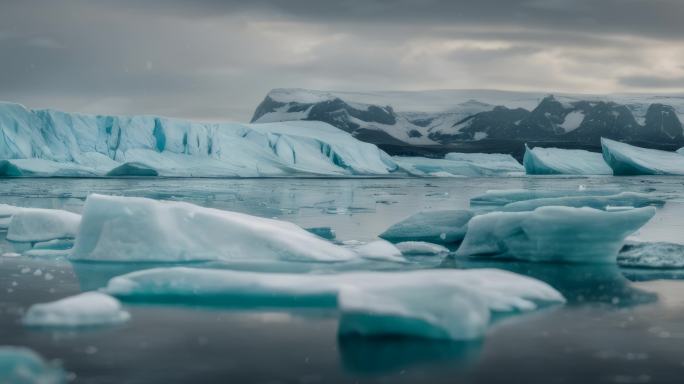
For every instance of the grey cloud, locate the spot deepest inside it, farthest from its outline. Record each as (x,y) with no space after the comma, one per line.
(653,82)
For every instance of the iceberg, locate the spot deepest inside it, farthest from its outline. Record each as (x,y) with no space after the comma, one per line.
(498,162)
(441,227)
(501,197)
(54,143)
(412,248)
(659,255)
(553,234)
(6,212)
(627,159)
(620,201)
(83,310)
(19,365)
(138,229)
(556,161)
(379,250)
(36,225)
(427,167)
(370,303)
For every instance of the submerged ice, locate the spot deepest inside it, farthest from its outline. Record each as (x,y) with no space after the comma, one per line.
(553,234)
(19,365)
(370,303)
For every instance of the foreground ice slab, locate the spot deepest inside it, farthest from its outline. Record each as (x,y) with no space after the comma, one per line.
(440,227)
(54,143)
(371,303)
(138,229)
(652,255)
(619,201)
(20,365)
(627,159)
(423,166)
(35,224)
(83,310)
(500,197)
(553,234)
(556,161)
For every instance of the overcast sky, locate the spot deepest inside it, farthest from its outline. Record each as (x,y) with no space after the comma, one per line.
(213,59)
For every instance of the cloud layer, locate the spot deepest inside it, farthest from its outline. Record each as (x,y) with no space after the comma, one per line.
(212,59)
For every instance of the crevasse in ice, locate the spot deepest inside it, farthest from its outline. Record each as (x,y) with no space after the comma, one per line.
(370,303)
(553,234)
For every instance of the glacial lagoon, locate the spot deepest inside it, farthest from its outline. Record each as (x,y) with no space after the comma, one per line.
(619,325)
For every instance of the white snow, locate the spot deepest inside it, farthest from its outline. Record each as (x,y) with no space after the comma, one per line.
(20,365)
(448,226)
(370,303)
(138,229)
(82,310)
(411,248)
(553,234)
(555,161)
(572,121)
(36,224)
(627,159)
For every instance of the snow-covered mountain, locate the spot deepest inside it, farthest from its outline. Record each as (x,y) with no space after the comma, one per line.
(447,117)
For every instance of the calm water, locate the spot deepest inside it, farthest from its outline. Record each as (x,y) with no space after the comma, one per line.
(620,325)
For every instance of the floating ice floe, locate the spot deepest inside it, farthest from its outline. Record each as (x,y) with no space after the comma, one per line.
(553,234)
(37,224)
(6,212)
(500,162)
(54,143)
(627,159)
(118,228)
(652,255)
(500,197)
(83,310)
(411,248)
(448,226)
(19,365)
(370,303)
(423,166)
(556,161)
(379,250)
(623,200)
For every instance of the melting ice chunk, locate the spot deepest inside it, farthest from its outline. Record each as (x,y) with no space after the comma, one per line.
(556,161)
(553,234)
(371,303)
(627,159)
(379,250)
(139,229)
(133,169)
(625,199)
(440,227)
(410,248)
(83,310)
(496,198)
(35,224)
(652,255)
(20,365)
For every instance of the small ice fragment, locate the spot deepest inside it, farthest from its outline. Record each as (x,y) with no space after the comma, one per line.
(408,248)
(85,309)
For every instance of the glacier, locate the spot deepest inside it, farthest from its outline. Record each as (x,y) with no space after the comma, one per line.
(54,143)
(117,228)
(627,159)
(19,365)
(659,255)
(620,201)
(369,303)
(553,234)
(448,226)
(556,161)
(83,310)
